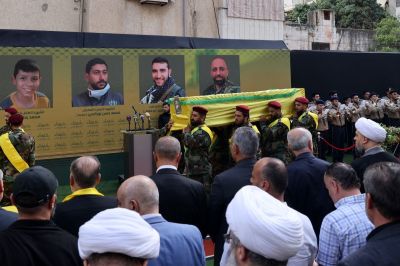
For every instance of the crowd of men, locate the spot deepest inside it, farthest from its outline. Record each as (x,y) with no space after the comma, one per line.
(271,202)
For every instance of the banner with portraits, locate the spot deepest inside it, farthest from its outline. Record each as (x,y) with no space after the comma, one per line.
(77,100)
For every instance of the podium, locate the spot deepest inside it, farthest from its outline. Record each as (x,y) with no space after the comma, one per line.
(138,148)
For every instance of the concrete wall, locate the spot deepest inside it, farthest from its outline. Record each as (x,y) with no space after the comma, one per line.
(244,28)
(321,30)
(194,18)
(52,15)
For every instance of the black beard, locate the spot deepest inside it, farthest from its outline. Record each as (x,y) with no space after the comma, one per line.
(97,88)
(195,123)
(219,82)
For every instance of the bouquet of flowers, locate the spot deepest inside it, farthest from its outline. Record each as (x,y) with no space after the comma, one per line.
(392,138)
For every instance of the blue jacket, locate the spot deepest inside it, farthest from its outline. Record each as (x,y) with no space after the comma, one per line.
(180,245)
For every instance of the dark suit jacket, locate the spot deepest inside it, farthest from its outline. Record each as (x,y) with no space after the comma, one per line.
(182,200)
(70,215)
(180,244)
(361,164)
(382,248)
(306,190)
(224,188)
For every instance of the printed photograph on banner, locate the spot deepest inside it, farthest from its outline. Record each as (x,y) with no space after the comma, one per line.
(219,74)
(97,81)
(161,77)
(26,82)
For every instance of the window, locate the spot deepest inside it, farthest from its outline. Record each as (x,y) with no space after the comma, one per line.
(327,15)
(320,46)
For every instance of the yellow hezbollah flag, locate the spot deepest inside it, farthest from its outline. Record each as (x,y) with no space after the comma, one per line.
(221,107)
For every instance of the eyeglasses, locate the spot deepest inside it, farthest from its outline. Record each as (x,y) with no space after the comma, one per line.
(228,237)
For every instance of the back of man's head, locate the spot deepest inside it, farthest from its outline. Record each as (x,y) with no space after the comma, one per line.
(139,193)
(167,148)
(246,140)
(274,171)
(299,139)
(344,174)
(382,183)
(114,259)
(34,192)
(85,171)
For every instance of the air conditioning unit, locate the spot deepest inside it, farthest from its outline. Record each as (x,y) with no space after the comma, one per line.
(154,2)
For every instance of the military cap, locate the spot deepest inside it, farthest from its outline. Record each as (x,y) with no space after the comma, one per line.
(16,119)
(11,110)
(302,100)
(244,109)
(320,102)
(275,104)
(334,98)
(200,109)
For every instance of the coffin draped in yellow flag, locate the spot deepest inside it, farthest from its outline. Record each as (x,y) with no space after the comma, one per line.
(221,107)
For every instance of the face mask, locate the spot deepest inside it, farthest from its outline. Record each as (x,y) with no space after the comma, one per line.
(99,93)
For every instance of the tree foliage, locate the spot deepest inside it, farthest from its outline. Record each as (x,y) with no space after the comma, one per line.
(356,14)
(387,36)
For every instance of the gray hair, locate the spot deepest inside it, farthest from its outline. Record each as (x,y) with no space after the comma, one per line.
(246,139)
(85,170)
(382,182)
(298,138)
(167,148)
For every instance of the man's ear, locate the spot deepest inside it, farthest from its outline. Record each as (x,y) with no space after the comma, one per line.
(71,181)
(98,179)
(241,253)
(155,157)
(369,203)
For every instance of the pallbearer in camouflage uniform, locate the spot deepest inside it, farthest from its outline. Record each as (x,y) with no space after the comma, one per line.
(219,73)
(8,112)
(197,139)
(242,119)
(274,133)
(17,153)
(306,119)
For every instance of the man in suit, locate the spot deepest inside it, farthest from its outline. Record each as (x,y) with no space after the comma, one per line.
(180,244)
(382,205)
(182,200)
(85,200)
(244,147)
(306,190)
(369,137)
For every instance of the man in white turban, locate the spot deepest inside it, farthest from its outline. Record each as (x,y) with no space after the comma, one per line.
(117,237)
(262,230)
(369,137)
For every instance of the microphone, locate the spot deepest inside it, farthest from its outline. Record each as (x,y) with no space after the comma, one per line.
(133,107)
(142,118)
(147,114)
(129,118)
(135,121)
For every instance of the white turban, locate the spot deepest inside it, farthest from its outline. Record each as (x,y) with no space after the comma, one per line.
(121,231)
(371,130)
(264,225)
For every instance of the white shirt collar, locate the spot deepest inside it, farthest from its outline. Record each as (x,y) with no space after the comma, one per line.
(167,166)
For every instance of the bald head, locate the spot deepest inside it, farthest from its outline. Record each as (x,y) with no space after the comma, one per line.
(299,140)
(167,148)
(139,193)
(270,174)
(85,171)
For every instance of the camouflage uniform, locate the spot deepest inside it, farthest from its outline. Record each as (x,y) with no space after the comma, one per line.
(197,146)
(5,129)
(219,151)
(25,145)
(228,87)
(274,140)
(307,121)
